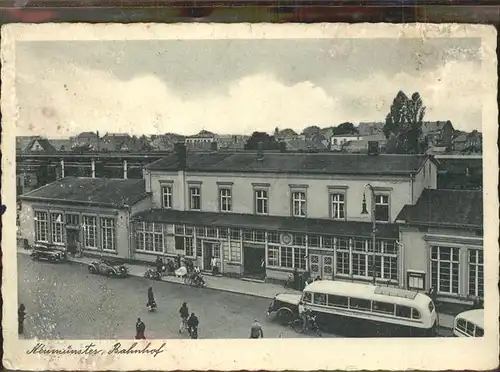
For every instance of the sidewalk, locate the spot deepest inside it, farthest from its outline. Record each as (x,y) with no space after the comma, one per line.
(237,286)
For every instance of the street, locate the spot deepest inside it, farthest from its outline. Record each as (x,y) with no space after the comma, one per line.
(65,301)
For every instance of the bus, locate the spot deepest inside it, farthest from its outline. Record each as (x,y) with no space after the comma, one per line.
(362,310)
(469,324)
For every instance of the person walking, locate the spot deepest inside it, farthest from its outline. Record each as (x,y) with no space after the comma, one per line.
(21,315)
(303,315)
(193,323)
(151,299)
(256,330)
(140,328)
(213,263)
(184,312)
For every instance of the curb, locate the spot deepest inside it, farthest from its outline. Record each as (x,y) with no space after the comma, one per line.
(72,260)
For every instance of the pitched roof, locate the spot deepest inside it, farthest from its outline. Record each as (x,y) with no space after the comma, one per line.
(116,193)
(294,163)
(87,134)
(274,223)
(434,126)
(447,208)
(61,144)
(44,143)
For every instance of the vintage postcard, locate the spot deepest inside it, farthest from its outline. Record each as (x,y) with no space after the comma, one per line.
(177,191)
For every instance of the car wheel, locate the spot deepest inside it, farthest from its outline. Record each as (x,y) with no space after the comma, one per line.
(92,269)
(284,316)
(110,273)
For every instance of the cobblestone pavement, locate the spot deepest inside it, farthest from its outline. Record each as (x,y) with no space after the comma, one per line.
(65,301)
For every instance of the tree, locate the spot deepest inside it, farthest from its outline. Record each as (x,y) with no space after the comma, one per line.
(345,128)
(404,121)
(311,131)
(268,142)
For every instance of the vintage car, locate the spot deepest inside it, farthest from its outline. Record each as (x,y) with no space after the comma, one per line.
(109,268)
(49,254)
(284,307)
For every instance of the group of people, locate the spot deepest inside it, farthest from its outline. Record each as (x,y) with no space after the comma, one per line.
(298,280)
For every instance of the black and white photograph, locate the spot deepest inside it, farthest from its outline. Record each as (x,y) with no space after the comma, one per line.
(327,185)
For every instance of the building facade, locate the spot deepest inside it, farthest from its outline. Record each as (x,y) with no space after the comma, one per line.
(271,213)
(444,235)
(90,212)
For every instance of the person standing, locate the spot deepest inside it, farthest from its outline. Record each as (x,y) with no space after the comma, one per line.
(213,263)
(256,330)
(303,315)
(184,312)
(21,315)
(140,328)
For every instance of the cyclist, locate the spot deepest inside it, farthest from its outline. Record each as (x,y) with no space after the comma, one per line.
(303,315)
(184,312)
(193,323)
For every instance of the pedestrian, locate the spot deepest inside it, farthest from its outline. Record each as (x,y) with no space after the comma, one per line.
(151,299)
(184,312)
(21,315)
(256,330)
(263,268)
(159,264)
(193,323)
(213,262)
(140,328)
(317,278)
(303,315)
(295,278)
(178,261)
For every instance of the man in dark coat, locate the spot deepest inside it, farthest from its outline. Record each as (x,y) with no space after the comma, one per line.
(184,313)
(140,328)
(21,315)
(151,299)
(256,330)
(193,323)
(159,264)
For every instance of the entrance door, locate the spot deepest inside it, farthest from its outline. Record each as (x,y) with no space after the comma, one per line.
(327,267)
(252,261)
(207,255)
(314,265)
(72,239)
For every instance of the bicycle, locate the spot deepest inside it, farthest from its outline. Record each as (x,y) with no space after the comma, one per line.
(183,326)
(298,325)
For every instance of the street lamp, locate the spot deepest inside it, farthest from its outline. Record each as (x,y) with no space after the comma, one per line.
(374,226)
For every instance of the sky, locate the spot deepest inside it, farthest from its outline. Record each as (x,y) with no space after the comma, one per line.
(239,86)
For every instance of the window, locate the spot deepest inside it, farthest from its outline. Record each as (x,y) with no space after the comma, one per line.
(299,204)
(403,311)
(313,241)
(167,196)
(225,200)
(416,280)
(41,227)
(286,257)
(89,232)
(476,273)
(343,256)
(235,234)
(299,260)
(57,225)
(72,219)
(273,256)
(307,297)
(337,205)
(444,269)
(338,301)
(479,332)
(261,202)
(382,208)
(319,299)
(383,307)
(185,243)
(260,236)
(223,233)
(108,234)
(415,314)
(149,237)
(360,304)
(273,237)
(195,198)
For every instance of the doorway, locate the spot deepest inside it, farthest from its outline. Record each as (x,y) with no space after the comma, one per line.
(207,255)
(72,239)
(252,261)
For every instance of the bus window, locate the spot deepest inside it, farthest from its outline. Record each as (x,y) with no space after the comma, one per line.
(431,307)
(403,311)
(479,332)
(470,329)
(383,307)
(307,297)
(360,304)
(339,301)
(319,299)
(461,325)
(415,314)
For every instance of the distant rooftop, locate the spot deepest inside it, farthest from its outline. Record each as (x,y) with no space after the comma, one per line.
(116,193)
(293,163)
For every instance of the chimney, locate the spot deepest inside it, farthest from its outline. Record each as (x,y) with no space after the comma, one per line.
(260,151)
(213,146)
(373,148)
(181,153)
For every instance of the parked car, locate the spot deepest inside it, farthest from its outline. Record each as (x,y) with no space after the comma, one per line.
(48,254)
(109,268)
